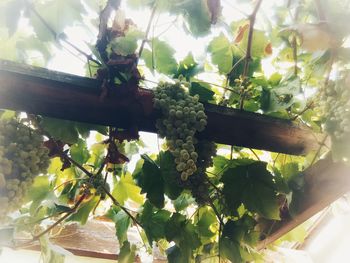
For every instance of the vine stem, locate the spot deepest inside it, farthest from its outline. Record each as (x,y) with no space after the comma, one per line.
(147,30)
(216,212)
(115,202)
(319,150)
(72,211)
(59,36)
(248,55)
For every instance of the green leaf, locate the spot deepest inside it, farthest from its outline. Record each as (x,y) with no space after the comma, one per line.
(221,53)
(126,188)
(61,129)
(40,190)
(127,253)
(175,255)
(151,182)
(253,178)
(79,151)
(57,14)
(169,174)
(280,97)
(154,222)
(161,58)
(83,213)
(122,223)
(203,90)
(259,43)
(188,67)
(183,233)
(205,223)
(230,250)
(183,201)
(127,44)
(197,16)
(51,253)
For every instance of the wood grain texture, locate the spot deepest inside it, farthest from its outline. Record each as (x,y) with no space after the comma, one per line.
(65,96)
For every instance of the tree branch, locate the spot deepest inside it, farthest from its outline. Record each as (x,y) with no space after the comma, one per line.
(248,55)
(147,30)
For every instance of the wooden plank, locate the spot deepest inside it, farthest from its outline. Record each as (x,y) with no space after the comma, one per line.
(325,182)
(96,239)
(65,96)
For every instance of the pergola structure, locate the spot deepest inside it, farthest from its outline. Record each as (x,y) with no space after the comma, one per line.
(54,94)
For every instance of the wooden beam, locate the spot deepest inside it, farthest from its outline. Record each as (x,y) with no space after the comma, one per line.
(54,94)
(96,239)
(325,182)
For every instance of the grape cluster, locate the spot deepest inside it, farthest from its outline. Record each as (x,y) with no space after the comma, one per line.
(334,102)
(99,183)
(198,182)
(22,157)
(182,116)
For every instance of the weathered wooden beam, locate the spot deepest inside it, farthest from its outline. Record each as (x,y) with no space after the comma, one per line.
(325,182)
(54,94)
(96,239)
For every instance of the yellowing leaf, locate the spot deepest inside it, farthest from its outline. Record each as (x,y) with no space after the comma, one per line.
(126,188)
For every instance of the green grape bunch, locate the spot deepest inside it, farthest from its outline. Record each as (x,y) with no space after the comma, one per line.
(22,157)
(334,108)
(182,116)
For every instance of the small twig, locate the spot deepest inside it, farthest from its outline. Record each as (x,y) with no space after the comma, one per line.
(319,150)
(115,202)
(257,157)
(148,29)
(216,212)
(72,211)
(60,36)
(248,55)
(213,185)
(308,106)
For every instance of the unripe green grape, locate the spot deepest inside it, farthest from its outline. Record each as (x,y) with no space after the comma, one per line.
(182,117)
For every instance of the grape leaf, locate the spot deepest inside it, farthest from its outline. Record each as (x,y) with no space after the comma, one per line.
(188,67)
(127,253)
(83,212)
(183,201)
(205,224)
(197,16)
(122,223)
(126,188)
(253,178)
(153,222)
(230,250)
(151,182)
(169,174)
(221,53)
(183,233)
(79,151)
(127,44)
(203,90)
(175,255)
(161,57)
(57,14)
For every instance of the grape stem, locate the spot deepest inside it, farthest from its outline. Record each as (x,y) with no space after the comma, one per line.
(72,211)
(248,54)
